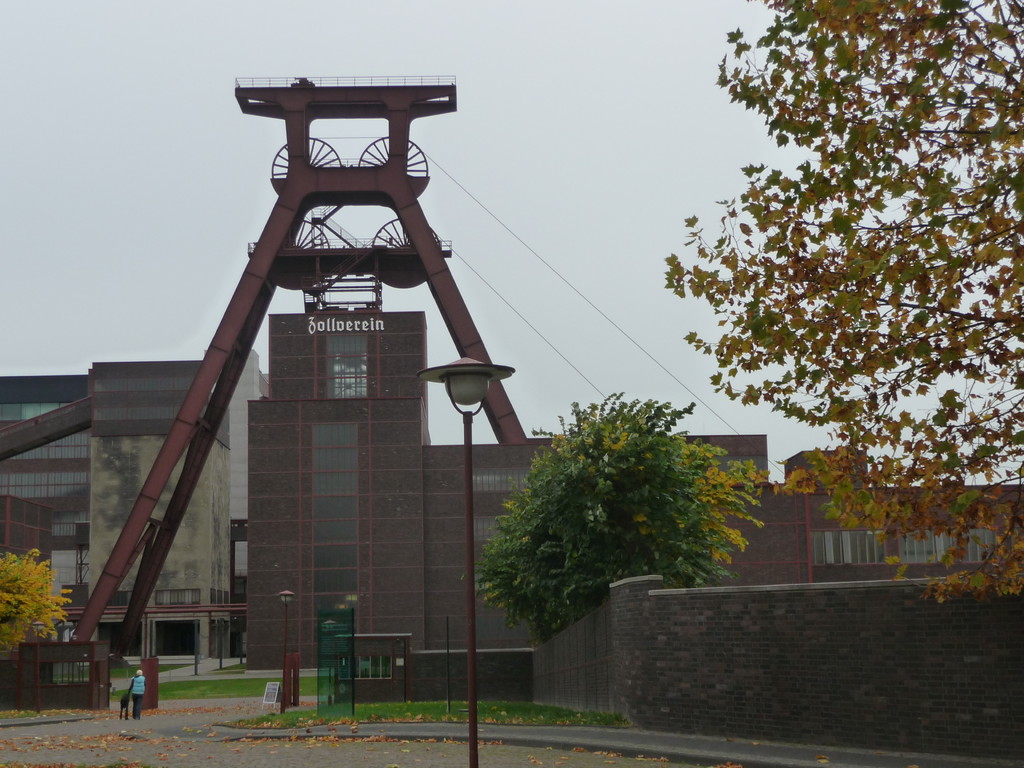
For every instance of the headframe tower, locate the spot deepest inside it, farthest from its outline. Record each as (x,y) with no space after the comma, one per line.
(301,248)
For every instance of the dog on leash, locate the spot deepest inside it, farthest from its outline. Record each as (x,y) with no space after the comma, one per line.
(126,700)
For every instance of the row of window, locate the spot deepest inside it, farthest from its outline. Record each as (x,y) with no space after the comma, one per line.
(865,547)
(63,529)
(35,485)
(22,411)
(502,480)
(166,597)
(177,597)
(71,447)
(64,520)
(137,412)
(152,384)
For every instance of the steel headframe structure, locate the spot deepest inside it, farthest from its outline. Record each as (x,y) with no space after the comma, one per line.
(298,249)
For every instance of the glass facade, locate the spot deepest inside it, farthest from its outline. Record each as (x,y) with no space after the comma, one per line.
(346,366)
(335,529)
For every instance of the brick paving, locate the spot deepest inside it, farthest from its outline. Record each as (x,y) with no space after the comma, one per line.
(191,734)
(188,734)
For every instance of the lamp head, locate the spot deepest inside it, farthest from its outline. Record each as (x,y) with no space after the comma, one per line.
(466,380)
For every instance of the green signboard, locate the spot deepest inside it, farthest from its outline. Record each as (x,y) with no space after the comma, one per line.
(335,644)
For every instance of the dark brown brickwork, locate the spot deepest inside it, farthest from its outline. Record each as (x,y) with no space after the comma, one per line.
(871,665)
(777,551)
(576,671)
(502,675)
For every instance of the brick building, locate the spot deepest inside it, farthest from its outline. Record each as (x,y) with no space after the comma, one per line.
(799,544)
(349,503)
(325,483)
(91,440)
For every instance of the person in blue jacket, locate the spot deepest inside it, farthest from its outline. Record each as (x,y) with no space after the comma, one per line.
(138,689)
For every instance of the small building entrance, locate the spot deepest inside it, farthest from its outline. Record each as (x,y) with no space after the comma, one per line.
(175,638)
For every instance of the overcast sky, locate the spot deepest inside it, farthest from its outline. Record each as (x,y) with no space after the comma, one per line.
(588,130)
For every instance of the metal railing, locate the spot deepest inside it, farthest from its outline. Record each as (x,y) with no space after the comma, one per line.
(335,82)
(354,244)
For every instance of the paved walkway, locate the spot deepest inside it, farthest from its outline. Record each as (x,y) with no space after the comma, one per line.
(198,733)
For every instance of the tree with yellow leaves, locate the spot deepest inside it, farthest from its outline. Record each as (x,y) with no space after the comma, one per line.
(618,494)
(26,597)
(877,289)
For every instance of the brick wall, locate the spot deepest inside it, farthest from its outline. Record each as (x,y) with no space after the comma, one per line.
(502,675)
(862,664)
(576,672)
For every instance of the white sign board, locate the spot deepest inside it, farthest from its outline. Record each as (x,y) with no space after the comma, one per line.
(272,694)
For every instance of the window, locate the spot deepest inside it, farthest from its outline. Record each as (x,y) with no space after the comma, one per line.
(340,580)
(484,528)
(241,558)
(333,434)
(177,597)
(981,542)
(21,411)
(933,546)
(71,447)
(335,602)
(35,485)
(65,672)
(334,531)
(373,667)
(333,483)
(64,568)
(329,459)
(502,480)
(346,366)
(334,507)
(334,557)
(153,383)
(835,547)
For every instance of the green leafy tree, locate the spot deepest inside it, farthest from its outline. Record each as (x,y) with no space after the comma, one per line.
(878,288)
(26,597)
(618,494)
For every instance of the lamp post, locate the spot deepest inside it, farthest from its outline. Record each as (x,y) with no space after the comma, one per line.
(286,596)
(37,627)
(466,382)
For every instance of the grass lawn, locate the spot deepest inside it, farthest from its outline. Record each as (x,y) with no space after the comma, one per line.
(501,712)
(497,712)
(230,688)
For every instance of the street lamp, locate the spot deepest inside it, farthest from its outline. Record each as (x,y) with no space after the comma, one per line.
(286,596)
(37,627)
(466,382)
